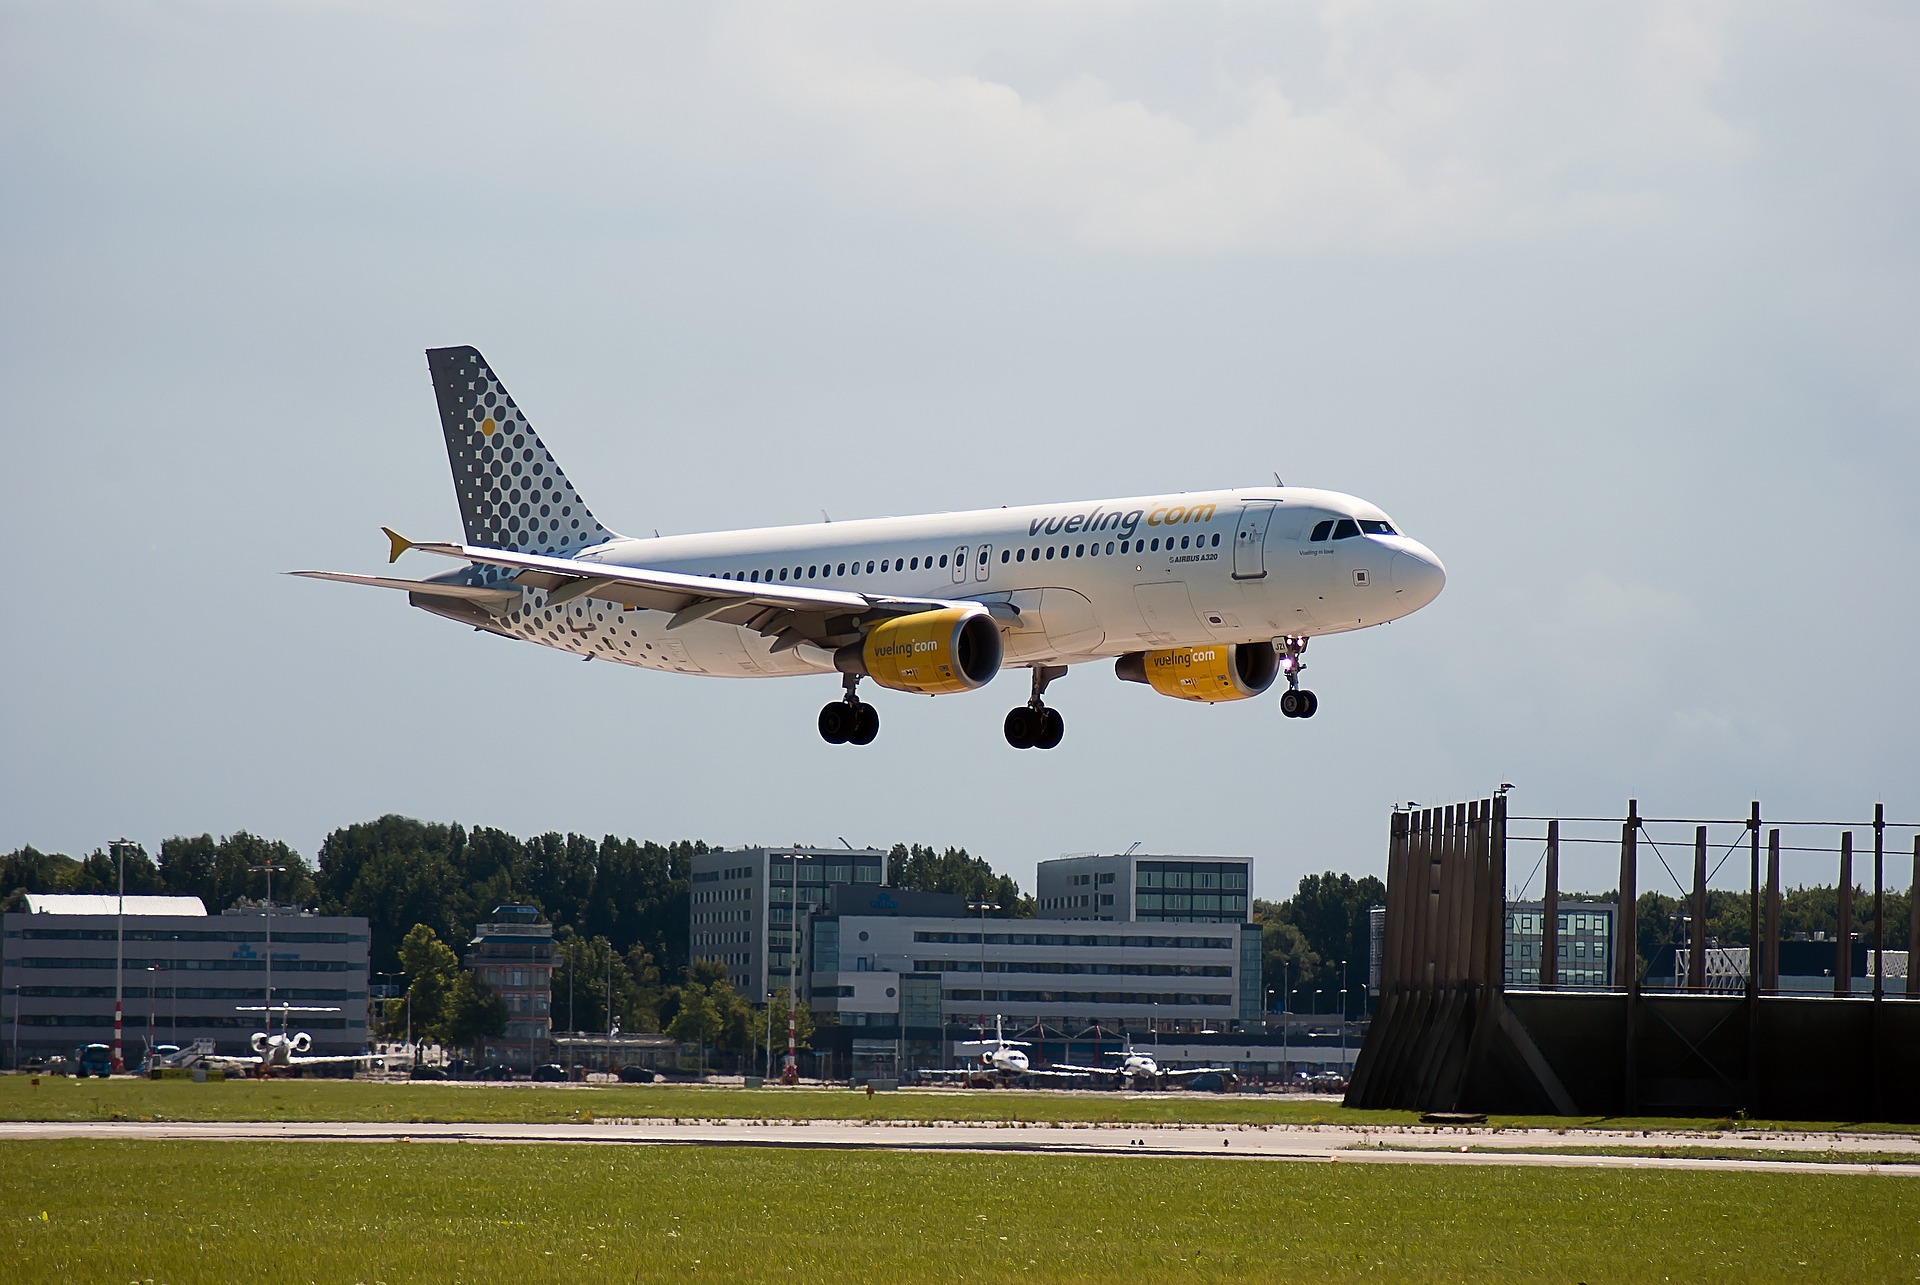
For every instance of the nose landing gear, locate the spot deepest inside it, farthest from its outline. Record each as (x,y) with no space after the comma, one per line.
(849,720)
(1296,701)
(1035,725)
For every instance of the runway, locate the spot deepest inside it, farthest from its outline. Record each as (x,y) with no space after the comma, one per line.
(1326,1144)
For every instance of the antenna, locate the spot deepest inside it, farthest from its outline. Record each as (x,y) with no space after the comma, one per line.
(824,517)
(1135,848)
(1276,479)
(845,844)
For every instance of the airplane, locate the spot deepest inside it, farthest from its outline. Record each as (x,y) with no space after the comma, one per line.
(1001,1060)
(1207,596)
(280,1051)
(1140,1069)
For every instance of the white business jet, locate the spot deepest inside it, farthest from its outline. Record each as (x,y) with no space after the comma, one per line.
(997,1061)
(1204,596)
(282,1050)
(1142,1071)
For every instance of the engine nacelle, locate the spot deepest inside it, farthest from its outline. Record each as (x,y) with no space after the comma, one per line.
(302,1042)
(1220,672)
(954,649)
(260,1041)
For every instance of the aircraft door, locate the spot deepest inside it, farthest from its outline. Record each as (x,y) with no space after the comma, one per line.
(984,567)
(960,565)
(1250,540)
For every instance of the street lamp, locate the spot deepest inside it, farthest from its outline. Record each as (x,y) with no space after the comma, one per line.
(119,849)
(983,907)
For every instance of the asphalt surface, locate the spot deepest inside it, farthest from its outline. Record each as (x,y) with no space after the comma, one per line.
(1326,1144)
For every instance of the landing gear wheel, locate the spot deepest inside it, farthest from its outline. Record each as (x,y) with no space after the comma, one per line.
(836,722)
(1312,704)
(1022,728)
(1292,703)
(1052,728)
(866,724)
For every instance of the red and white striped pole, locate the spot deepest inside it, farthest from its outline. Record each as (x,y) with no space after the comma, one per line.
(792,1073)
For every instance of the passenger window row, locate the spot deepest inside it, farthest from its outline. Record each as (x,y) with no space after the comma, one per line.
(827,570)
(1050,552)
(824,570)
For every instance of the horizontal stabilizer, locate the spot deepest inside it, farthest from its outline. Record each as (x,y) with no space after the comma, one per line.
(471,593)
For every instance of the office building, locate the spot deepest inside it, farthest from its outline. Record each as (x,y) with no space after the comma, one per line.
(918,963)
(1144,888)
(513,955)
(1585,947)
(184,975)
(742,907)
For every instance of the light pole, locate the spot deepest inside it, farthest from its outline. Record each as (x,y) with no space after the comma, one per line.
(153,985)
(267,918)
(1286,1062)
(119,849)
(983,907)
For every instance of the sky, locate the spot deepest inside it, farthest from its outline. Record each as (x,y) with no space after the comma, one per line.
(1612,305)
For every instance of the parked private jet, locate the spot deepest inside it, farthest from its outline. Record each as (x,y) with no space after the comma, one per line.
(1205,596)
(1000,1061)
(281,1050)
(1141,1071)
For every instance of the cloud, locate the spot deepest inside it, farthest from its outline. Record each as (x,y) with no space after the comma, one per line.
(1371,129)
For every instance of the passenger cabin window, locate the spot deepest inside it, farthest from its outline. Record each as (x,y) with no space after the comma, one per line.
(1345,529)
(1321,530)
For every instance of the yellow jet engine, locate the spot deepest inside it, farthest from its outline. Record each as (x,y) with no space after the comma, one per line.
(933,653)
(1218,672)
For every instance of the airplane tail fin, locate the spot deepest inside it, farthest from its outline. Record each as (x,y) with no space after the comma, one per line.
(511,490)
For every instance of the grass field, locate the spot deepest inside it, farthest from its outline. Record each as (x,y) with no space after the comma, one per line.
(1678,1151)
(61,1098)
(187,1211)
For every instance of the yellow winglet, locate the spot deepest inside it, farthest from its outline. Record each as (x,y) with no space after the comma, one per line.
(400,544)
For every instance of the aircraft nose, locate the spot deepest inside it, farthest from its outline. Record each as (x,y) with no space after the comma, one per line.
(1418,576)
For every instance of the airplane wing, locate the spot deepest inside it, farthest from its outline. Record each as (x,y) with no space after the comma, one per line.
(224,1060)
(481,594)
(333,1059)
(1196,1070)
(790,614)
(1086,1070)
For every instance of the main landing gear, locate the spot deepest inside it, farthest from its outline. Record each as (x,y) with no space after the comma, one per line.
(1034,725)
(849,720)
(1296,701)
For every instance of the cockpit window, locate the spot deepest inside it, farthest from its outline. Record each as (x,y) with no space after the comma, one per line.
(1345,529)
(1322,530)
(1373,526)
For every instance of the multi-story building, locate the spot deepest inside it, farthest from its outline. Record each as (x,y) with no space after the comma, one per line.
(1586,943)
(881,959)
(182,973)
(1144,888)
(513,955)
(1585,951)
(744,902)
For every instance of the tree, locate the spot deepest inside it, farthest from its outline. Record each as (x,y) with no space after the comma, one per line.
(1329,923)
(431,968)
(473,1011)
(921,869)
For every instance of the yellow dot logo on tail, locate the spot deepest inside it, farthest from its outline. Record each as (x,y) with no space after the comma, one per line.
(487,426)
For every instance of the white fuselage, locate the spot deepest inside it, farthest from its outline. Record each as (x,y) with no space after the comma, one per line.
(1084,580)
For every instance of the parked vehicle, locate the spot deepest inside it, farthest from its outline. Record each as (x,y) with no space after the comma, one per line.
(551,1073)
(427,1073)
(637,1075)
(93,1059)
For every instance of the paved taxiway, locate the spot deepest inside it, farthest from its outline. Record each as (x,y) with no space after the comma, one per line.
(1324,1143)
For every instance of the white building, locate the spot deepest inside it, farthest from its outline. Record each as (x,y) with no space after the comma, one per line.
(1146,888)
(742,905)
(186,974)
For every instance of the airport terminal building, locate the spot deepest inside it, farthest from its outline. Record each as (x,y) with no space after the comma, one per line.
(183,973)
(742,906)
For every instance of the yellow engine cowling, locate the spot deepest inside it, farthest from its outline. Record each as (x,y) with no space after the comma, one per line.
(933,653)
(1218,672)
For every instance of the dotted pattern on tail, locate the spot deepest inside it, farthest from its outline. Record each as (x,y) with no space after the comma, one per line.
(512,494)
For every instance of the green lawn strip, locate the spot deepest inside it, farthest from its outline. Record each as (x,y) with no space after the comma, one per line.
(1671,1151)
(187,1211)
(63,1098)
